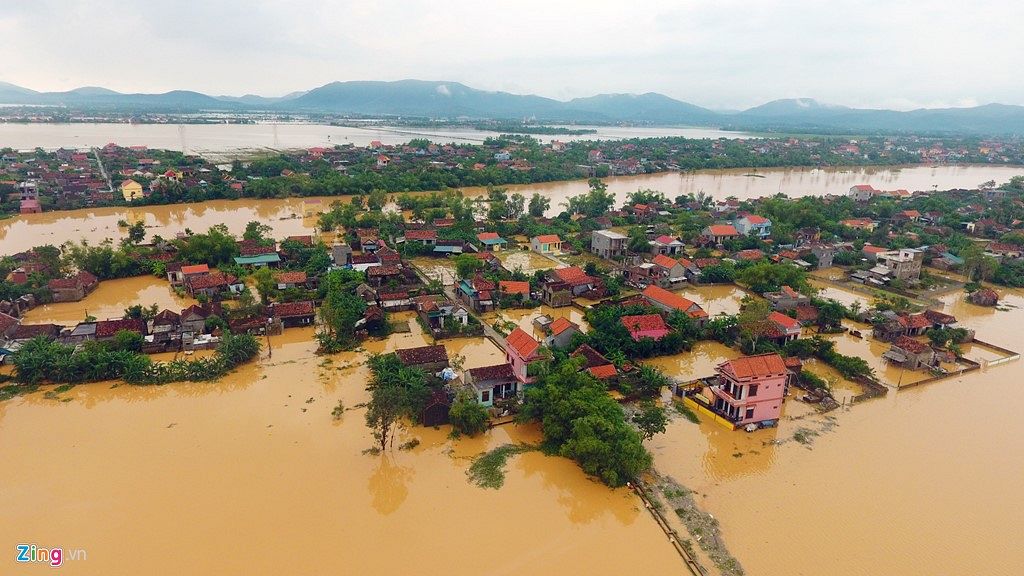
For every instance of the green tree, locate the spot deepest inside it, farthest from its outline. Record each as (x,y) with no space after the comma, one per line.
(467,416)
(539,205)
(650,419)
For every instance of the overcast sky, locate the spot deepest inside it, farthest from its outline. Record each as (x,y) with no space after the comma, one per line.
(715,53)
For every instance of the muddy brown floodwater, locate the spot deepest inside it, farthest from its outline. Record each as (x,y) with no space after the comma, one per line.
(923,481)
(251,475)
(298,216)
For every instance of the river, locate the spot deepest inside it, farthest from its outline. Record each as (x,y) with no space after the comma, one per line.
(225,141)
(298,216)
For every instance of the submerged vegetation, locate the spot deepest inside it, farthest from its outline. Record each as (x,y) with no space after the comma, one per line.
(488,469)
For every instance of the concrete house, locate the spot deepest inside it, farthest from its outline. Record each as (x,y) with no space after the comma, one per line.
(753,225)
(786,299)
(293,314)
(608,243)
(910,354)
(491,242)
(561,331)
(546,244)
(492,383)
(751,389)
(719,233)
(666,245)
(523,353)
(905,263)
(74,288)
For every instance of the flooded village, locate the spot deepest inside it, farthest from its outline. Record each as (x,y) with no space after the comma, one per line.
(765,368)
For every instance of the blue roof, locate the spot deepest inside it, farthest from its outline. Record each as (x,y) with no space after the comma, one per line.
(493,241)
(260,259)
(448,249)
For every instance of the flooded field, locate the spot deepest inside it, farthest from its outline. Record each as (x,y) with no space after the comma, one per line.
(109,300)
(286,217)
(923,481)
(252,471)
(526,261)
(441,269)
(716,300)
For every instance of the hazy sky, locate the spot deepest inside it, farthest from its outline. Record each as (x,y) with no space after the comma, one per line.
(716,53)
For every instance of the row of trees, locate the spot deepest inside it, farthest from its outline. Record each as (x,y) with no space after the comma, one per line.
(45,360)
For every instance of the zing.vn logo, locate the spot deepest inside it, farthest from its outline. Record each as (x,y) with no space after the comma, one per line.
(53,556)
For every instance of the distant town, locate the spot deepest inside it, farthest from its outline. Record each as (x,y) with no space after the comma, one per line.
(38,180)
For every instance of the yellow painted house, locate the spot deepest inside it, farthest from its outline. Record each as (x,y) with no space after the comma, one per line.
(131,190)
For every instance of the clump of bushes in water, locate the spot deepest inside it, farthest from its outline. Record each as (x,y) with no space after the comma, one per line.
(851,367)
(45,360)
(467,416)
(580,421)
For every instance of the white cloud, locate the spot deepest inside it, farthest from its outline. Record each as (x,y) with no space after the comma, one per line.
(717,53)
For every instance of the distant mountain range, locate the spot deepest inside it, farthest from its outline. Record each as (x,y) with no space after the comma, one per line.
(451,100)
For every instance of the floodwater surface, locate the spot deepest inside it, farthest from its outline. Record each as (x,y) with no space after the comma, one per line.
(110,299)
(923,481)
(296,216)
(252,475)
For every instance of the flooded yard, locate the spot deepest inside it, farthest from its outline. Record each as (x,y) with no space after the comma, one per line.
(715,300)
(526,261)
(524,317)
(110,299)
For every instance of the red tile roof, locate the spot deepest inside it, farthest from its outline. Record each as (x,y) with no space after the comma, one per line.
(487,236)
(291,309)
(515,287)
(908,344)
(211,280)
(548,239)
(27,331)
(522,343)
(754,366)
(422,355)
(421,234)
(290,277)
(665,239)
(83,278)
(664,261)
(561,325)
(497,372)
(373,271)
(573,275)
(783,320)
(755,219)
(666,298)
(723,230)
(108,328)
(643,322)
(603,371)
(7,322)
(915,321)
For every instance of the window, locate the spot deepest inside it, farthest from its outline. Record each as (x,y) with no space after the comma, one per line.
(485,396)
(752,390)
(750,413)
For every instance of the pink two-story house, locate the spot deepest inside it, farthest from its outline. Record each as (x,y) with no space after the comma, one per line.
(751,389)
(521,350)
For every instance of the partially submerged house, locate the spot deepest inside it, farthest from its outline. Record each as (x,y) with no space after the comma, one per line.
(751,389)
(524,354)
(491,383)
(430,359)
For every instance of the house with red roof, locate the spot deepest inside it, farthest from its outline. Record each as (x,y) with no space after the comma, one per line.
(910,354)
(514,288)
(750,389)
(753,225)
(719,233)
(293,314)
(74,288)
(107,329)
(783,328)
(786,299)
(561,285)
(524,354)
(667,245)
(546,244)
(595,363)
(865,224)
(477,292)
(670,269)
(213,284)
(560,332)
(491,383)
(863,192)
(645,326)
(669,302)
(425,237)
(491,241)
